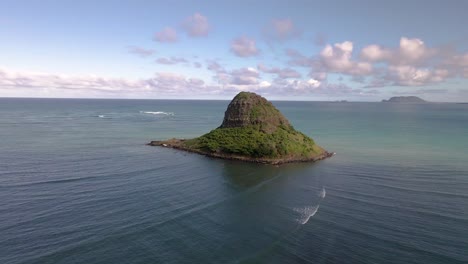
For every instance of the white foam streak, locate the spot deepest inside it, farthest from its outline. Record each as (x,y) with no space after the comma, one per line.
(306,213)
(322,193)
(156,113)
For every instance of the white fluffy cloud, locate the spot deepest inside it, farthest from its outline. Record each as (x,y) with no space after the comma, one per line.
(411,76)
(314,83)
(338,59)
(264,84)
(409,52)
(413,51)
(244,47)
(411,63)
(375,53)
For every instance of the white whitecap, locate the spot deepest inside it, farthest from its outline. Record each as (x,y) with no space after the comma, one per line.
(322,193)
(156,113)
(101,116)
(306,213)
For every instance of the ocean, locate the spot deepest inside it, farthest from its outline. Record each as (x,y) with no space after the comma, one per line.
(79,185)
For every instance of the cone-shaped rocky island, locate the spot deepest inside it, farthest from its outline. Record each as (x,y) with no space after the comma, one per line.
(252,130)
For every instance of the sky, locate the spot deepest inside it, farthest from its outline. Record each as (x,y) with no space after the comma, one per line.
(360,50)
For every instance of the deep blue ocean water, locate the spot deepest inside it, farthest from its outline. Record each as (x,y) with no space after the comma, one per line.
(79,185)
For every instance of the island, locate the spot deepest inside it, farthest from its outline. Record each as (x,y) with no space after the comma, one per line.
(405,99)
(253,130)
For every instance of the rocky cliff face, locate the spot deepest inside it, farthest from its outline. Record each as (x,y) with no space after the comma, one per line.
(249,109)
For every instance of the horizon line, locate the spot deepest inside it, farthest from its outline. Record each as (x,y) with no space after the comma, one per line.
(208,99)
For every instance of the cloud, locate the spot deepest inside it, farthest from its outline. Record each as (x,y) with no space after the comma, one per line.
(413,51)
(337,59)
(314,87)
(171,83)
(34,80)
(264,84)
(375,53)
(296,58)
(332,59)
(244,76)
(320,76)
(244,47)
(214,66)
(171,60)
(196,82)
(314,83)
(461,60)
(196,25)
(281,73)
(221,75)
(167,35)
(240,76)
(421,91)
(411,76)
(281,30)
(142,52)
(411,63)
(162,84)
(410,52)
(457,64)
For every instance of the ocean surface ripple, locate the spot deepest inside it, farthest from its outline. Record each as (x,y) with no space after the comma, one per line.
(79,185)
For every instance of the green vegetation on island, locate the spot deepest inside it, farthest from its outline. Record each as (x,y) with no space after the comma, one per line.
(252,130)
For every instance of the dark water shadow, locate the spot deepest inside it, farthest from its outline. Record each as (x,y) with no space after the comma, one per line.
(247,175)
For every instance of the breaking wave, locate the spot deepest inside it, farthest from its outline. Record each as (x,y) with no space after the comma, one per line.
(157,113)
(306,213)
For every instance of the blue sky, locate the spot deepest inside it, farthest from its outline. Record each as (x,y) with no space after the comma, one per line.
(292,50)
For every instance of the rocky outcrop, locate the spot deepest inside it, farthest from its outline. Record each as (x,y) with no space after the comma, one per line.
(250,109)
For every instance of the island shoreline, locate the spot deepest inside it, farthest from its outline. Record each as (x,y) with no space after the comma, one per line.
(178,144)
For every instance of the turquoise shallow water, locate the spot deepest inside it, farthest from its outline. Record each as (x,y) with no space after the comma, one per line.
(78,185)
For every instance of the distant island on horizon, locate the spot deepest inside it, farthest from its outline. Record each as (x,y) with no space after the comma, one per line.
(253,130)
(405,99)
